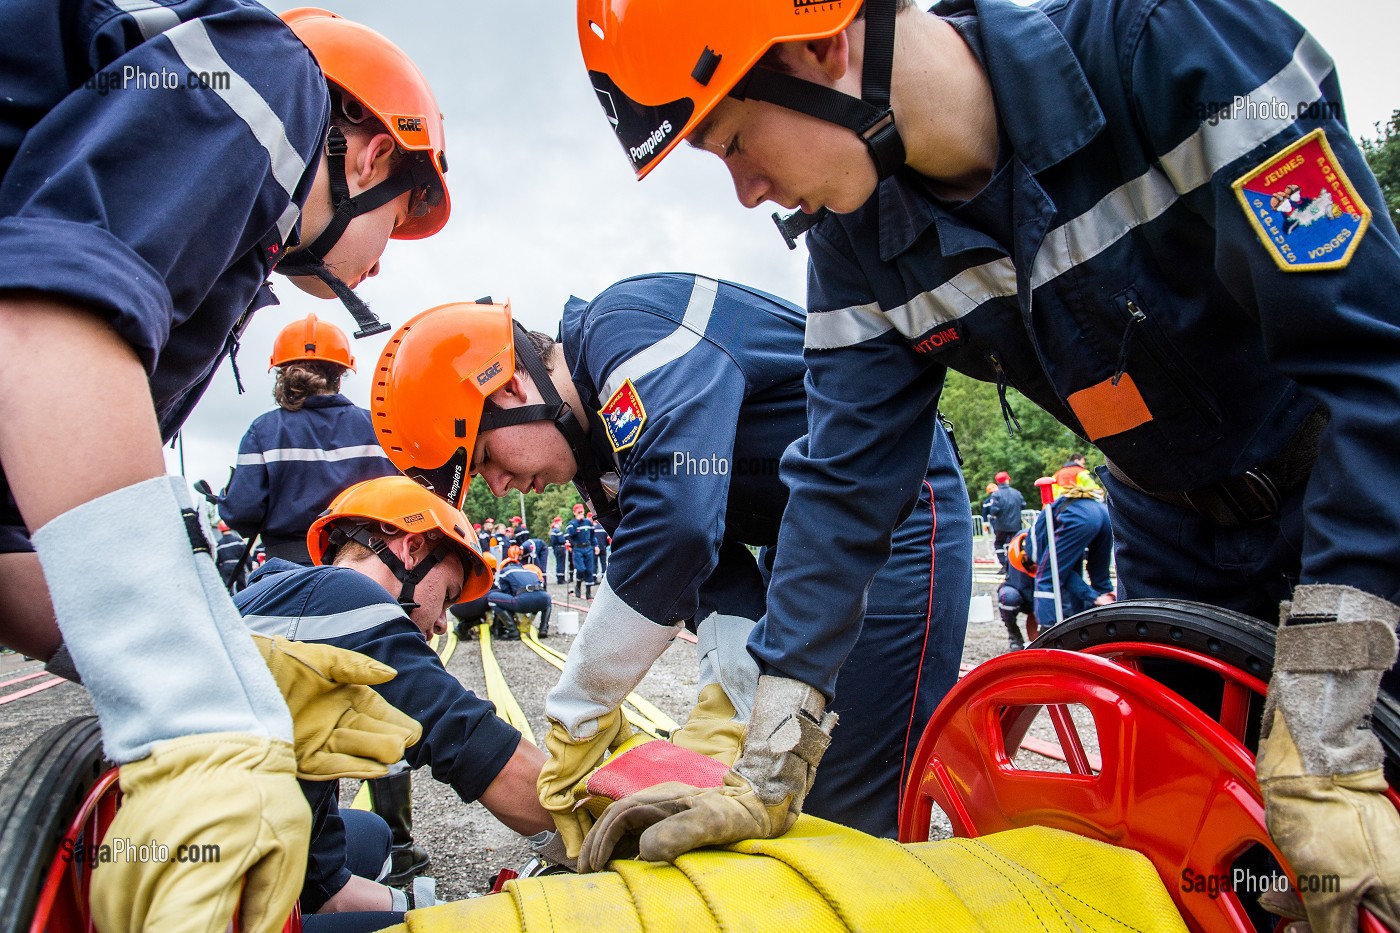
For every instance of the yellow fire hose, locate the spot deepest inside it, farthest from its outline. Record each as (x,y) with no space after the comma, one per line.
(644,716)
(444,645)
(824,877)
(497,690)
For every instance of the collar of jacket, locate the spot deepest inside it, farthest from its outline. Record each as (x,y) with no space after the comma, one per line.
(326,401)
(1043,100)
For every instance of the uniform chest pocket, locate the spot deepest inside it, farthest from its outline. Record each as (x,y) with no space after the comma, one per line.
(1164,376)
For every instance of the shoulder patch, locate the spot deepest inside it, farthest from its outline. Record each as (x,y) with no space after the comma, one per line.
(1304,208)
(623,416)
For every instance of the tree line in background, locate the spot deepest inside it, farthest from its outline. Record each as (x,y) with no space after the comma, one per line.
(1383,154)
(1038,448)
(540,508)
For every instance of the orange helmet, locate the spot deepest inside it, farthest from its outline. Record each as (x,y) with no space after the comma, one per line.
(399,502)
(378,75)
(1016,554)
(659,68)
(514,553)
(490,560)
(311,339)
(431,385)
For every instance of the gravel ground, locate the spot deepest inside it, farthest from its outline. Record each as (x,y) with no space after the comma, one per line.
(467,844)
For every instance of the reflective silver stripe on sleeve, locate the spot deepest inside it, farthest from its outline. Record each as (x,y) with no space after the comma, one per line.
(151,18)
(960,295)
(312,454)
(846,327)
(318,628)
(1130,205)
(193,45)
(1187,167)
(675,344)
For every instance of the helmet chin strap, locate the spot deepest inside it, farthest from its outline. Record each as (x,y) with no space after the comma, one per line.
(311,258)
(409,579)
(869,116)
(555,410)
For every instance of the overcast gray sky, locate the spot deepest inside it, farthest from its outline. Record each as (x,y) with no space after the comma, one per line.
(544,204)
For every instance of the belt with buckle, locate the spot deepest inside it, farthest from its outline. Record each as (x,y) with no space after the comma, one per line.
(1254,495)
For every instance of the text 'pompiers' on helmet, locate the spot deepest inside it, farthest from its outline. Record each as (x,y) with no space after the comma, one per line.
(660,67)
(311,339)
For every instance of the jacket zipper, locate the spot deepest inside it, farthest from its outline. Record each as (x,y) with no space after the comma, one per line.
(1137,318)
(1181,381)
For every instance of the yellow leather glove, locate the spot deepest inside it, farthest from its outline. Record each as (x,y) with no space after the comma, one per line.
(1338,826)
(340,726)
(761,797)
(570,760)
(234,791)
(712,729)
(1319,764)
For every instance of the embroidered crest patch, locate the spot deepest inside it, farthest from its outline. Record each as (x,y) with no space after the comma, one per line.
(623,416)
(1304,208)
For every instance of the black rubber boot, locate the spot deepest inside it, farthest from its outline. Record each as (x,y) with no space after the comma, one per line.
(542,629)
(506,629)
(588,591)
(392,798)
(1015,642)
(578,584)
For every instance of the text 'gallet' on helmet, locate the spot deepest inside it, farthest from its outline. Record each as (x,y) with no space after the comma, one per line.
(311,339)
(400,503)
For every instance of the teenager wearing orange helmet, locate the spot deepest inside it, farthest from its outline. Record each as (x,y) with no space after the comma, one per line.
(1045,196)
(669,400)
(1016,593)
(142,222)
(294,459)
(390,559)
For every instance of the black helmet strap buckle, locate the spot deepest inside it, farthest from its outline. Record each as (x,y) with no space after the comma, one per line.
(873,124)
